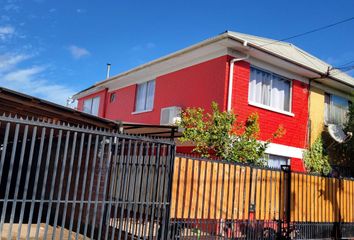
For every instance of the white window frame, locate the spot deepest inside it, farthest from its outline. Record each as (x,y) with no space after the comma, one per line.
(267,107)
(145,109)
(90,109)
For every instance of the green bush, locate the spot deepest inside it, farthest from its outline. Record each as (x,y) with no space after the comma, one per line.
(220,134)
(315,158)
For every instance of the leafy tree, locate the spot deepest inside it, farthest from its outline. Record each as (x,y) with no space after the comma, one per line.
(220,134)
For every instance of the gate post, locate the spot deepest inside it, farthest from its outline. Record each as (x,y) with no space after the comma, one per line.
(287,201)
(166,233)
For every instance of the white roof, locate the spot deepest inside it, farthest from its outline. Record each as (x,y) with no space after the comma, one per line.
(279,49)
(292,53)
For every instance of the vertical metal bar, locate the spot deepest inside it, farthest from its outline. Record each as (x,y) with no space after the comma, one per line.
(148,195)
(49,151)
(87,159)
(29,167)
(111,185)
(128,192)
(136,196)
(108,163)
(124,185)
(143,182)
(77,177)
(93,171)
(35,186)
(4,149)
(17,186)
(52,186)
(68,183)
(156,182)
(98,185)
(9,177)
(167,200)
(160,200)
(60,188)
(118,188)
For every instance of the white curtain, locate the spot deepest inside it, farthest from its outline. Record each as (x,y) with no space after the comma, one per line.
(338,109)
(140,97)
(87,106)
(95,106)
(150,95)
(270,90)
(145,96)
(275,161)
(280,98)
(259,87)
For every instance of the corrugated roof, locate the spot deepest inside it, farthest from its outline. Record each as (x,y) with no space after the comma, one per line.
(293,53)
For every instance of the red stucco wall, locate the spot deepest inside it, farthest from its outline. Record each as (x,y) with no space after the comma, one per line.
(193,86)
(103,101)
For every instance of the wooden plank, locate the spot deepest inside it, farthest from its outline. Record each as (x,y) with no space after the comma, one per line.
(241,193)
(208,184)
(308,198)
(247,182)
(174,188)
(225,188)
(195,188)
(181,188)
(212,210)
(201,194)
(237,212)
(230,200)
(257,188)
(278,195)
(219,190)
(188,189)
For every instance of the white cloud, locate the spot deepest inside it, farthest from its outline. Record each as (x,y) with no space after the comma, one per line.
(30,80)
(9,61)
(78,52)
(6,32)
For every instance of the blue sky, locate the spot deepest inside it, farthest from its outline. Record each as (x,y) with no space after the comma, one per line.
(52,49)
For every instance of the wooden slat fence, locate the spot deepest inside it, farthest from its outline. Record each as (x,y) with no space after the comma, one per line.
(248,202)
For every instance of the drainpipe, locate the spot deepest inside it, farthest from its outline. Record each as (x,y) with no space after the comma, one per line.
(231,74)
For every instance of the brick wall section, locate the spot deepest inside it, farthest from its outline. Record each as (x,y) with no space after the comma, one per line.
(296,127)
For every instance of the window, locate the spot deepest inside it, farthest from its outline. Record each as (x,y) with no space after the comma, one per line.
(91,105)
(274,161)
(336,109)
(269,90)
(112,97)
(145,96)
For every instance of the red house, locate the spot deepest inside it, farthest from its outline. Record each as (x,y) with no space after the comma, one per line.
(241,72)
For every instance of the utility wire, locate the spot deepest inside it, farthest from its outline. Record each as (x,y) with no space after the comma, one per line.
(311,31)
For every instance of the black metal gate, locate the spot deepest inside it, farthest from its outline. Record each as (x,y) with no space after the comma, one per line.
(63,182)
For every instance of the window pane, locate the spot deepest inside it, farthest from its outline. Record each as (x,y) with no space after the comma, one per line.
(140,97)
(275,161)
(150,95)
(339,108)
(87,106)
(327,108)
(266,88)
(280,98)
(95,106)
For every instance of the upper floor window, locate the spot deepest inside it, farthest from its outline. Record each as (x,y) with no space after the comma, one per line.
(336,109)
(145,96)
(270,90)
(91,105)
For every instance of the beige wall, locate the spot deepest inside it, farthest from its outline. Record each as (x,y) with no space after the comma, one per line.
(317,104)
